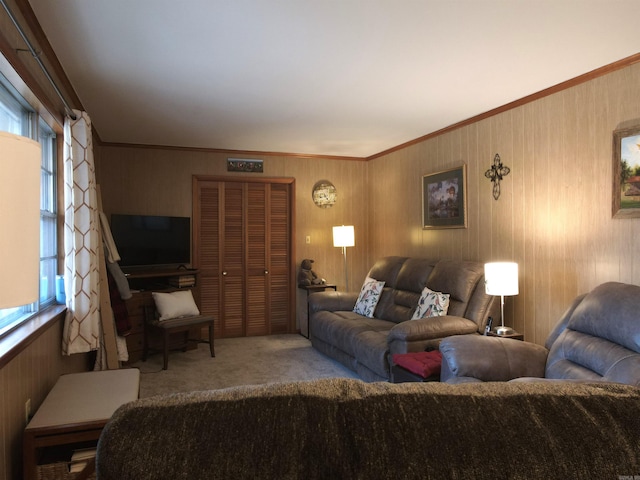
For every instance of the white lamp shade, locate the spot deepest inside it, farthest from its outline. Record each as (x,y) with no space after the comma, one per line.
(344,236)
(20,160)
(501,278)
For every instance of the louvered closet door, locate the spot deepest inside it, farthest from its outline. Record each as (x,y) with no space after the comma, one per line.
(257,262)
(232,261)
(243,250)
(279,249)
(207,223)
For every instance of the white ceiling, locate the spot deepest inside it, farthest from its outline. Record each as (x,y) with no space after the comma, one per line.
(328,77)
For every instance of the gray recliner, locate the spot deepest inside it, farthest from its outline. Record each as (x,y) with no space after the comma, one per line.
(597,339)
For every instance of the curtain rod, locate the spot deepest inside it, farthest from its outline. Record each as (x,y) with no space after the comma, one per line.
(68,109)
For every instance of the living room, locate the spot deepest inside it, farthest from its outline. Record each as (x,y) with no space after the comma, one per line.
(553,216)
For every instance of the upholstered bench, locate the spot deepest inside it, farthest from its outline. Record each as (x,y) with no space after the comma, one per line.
(76,410)
(416,367)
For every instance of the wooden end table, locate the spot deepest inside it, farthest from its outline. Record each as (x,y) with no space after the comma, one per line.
(513,335)
(312,289)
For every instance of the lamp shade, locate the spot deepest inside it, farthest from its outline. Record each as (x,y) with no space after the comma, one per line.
(344,236)
(20,160)
(501,278)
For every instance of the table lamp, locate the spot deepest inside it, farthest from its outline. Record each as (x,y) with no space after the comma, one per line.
(501,278)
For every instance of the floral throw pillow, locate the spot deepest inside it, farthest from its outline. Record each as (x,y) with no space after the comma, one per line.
(431,304)
(368,298)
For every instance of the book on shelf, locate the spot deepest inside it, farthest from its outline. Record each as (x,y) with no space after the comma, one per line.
(183,281)
(80,458)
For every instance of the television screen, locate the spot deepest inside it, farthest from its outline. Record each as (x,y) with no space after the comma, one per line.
(145,240)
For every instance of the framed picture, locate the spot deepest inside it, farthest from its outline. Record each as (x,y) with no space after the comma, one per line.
(444,199)
(244,165)
(626,172)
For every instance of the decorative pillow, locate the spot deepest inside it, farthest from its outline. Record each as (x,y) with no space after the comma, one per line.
(431,304)
(175,304)
(369,296)
(424,364)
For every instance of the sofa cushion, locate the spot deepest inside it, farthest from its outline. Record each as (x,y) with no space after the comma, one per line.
(616,301)
(431,304)
(601,339)
(369,296)
(341,328)
(400,296)
(370,347)
(459,280)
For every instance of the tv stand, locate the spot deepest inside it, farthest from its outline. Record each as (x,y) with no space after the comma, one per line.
(144,281)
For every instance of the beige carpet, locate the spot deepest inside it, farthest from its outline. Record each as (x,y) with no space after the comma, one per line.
(238,361)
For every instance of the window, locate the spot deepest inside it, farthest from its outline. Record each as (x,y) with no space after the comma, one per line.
(17,117)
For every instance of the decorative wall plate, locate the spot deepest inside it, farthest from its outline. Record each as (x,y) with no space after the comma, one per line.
(324,194)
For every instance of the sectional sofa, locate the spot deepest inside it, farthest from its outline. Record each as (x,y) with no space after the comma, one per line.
(365,342)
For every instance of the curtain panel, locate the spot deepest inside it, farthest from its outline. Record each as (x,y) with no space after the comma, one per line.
(82,328)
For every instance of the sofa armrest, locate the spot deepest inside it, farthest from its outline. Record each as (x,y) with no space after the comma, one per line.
(426,333)
(431,328)
(491,359)
(332,301)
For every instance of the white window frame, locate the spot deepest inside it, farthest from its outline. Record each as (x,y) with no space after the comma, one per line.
(24,121)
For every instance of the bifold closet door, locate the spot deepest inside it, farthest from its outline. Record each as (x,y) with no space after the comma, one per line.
(243,247)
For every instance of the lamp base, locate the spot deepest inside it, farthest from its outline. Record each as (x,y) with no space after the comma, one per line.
(504,330)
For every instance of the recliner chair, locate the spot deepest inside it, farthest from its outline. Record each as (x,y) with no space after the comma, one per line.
(597,339)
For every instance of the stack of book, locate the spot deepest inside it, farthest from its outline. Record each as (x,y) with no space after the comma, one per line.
(183,281)
(80,458)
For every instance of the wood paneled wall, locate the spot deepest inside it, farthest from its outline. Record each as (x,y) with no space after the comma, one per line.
(157,181)
(553,216)
(30,375)
(554,213)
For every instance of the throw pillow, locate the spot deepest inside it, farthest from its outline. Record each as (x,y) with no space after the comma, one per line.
(424,364)
(175,304)
(431,304)
(369,296)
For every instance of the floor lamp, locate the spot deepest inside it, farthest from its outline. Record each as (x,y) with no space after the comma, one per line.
(19,220)
(501,278)
(344,237)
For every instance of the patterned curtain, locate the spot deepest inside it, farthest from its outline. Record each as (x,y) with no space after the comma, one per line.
(82,328)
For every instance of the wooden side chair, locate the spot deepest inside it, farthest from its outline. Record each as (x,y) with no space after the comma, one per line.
(167,330)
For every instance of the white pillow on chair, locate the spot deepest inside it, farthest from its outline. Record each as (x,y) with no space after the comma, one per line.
(175,304)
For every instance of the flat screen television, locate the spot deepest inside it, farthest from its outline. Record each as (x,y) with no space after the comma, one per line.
(152,240)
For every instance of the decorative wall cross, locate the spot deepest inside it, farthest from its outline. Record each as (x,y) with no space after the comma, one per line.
(495,174)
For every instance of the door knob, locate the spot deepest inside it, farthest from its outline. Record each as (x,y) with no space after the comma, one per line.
(224,274)
(266,272)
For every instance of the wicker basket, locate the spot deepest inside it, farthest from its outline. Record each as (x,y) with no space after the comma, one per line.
(58,471)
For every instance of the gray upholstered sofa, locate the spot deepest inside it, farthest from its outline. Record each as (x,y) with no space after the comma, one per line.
(348,429)
(597,339)
(365,344)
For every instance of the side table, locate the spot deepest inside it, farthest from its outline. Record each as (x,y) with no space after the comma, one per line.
(312,289)
(513,335)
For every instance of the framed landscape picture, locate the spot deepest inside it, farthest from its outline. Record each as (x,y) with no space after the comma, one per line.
(626,173)
(444,199)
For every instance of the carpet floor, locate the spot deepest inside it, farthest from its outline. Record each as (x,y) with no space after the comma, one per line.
(238,361)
